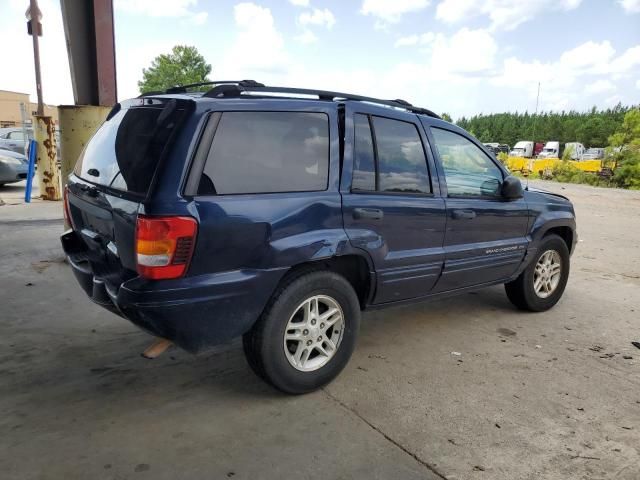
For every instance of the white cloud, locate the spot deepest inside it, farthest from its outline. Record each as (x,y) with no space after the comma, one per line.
(163,8)
(627,61)
(589,54)
(200,18)
(299,3)
(407,41)
(423,39)
(630,6)
(467,51)
(258,46)
(591,63)
(391,11)
(638,84)
(317,17)
(599,86)
(307,37)
(612,100)
(504,14)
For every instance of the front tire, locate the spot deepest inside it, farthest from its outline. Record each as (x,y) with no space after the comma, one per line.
(542,283)
(306,334)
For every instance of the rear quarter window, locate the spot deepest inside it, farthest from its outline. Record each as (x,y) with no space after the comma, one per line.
(267,152)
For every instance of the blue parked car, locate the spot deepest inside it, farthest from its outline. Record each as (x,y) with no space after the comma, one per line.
(279,214)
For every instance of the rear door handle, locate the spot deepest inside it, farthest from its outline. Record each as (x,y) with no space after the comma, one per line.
(463,214)
(368,213)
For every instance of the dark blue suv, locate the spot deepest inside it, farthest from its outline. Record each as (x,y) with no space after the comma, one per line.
(279,214)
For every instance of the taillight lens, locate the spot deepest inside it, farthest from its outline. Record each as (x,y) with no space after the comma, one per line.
(65,208)
(164,246)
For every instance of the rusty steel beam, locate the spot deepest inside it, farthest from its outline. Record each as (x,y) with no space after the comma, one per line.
(105,52)
(89,32)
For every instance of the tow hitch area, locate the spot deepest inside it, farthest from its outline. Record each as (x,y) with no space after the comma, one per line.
(157,348)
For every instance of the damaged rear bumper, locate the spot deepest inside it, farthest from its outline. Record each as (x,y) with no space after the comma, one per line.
(193,312)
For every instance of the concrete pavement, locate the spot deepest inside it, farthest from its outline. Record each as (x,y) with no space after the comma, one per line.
(531,396)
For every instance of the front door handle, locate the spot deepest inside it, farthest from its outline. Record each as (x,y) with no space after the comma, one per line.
(368,213)
(463,214)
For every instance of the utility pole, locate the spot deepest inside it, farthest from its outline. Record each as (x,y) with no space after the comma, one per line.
(34,28)
(43,126)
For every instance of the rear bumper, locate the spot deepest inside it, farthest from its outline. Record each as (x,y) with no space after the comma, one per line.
(193,312)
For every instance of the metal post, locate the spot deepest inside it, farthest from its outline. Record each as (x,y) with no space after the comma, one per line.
(48,174)
(77,125)
(33,8)
(32,168)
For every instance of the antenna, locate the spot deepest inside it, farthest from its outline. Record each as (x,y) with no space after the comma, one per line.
(535,120)
(535,117)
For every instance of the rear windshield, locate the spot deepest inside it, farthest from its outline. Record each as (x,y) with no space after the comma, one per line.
(124,153)
(268,152)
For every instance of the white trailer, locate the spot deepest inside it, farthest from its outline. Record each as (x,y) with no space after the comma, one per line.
(522,149)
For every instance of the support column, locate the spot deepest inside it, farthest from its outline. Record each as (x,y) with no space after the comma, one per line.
(46,158)
(78,123)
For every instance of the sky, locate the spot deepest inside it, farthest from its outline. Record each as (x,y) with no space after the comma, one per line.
(463,57)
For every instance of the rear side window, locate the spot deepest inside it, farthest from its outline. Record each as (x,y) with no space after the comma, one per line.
(268,152)
(388,157)
(124,153)
(402,165)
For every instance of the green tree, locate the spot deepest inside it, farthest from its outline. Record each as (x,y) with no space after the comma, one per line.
(182,66)
(446,117)
(629,134)
(626,151)
(592,128)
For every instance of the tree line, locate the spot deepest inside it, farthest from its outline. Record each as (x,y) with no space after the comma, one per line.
(592,128)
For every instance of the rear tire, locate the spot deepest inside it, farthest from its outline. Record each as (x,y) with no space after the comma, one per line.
(290,346)
(542,283)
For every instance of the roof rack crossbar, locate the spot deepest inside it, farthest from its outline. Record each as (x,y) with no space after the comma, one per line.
(238,89)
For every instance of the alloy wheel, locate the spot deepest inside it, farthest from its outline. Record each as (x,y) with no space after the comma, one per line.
(547,273)
(314,332)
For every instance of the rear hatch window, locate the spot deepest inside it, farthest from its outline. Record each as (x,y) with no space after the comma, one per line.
(125,151)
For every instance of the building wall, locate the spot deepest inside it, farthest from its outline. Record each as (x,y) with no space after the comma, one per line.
(10,115)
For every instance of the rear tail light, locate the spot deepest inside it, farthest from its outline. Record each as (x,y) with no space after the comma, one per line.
(68,221)
(164,246)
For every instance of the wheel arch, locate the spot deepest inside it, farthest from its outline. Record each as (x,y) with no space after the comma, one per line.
(565,232)
(354,267)
(564,226)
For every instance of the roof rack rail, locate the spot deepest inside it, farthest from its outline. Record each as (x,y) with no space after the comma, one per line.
(236,89)
(183,88)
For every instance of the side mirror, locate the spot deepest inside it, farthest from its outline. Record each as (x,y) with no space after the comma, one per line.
(512,188)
